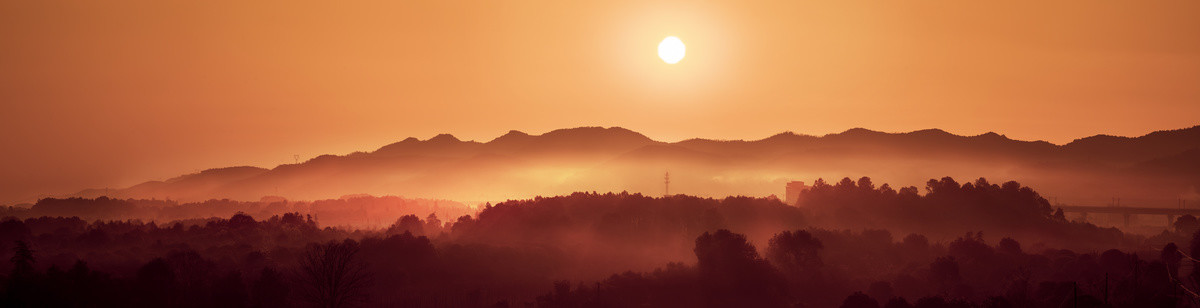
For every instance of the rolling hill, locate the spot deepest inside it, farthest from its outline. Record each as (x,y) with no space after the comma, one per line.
(1156,168)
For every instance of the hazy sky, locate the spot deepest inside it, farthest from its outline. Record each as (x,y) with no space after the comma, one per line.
(111,93)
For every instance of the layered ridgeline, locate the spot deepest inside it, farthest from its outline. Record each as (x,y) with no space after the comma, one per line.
(1157,169)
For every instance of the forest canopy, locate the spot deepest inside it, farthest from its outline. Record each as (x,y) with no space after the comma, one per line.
(848,244)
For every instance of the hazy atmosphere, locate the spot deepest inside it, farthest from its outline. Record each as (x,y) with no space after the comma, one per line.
(567,154)
(112,94)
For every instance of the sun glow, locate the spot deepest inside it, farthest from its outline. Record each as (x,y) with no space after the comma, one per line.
(671,50)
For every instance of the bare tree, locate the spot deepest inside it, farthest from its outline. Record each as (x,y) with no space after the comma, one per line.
(332,275)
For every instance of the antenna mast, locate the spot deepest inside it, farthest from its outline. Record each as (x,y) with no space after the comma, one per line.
(667,184)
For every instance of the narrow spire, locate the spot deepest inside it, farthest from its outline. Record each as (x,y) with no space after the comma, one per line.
(667,184)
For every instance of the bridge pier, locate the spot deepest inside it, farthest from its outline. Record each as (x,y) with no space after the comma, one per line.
(1127,217)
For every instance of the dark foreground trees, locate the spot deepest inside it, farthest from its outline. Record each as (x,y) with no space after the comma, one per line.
(603,251)
(733,275)
(333,276)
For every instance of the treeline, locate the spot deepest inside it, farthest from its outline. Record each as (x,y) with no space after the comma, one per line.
(510,251)
(358,211)
(800,269)
(946,208)
(608,250)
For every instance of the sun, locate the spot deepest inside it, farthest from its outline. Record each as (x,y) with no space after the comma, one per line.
(671,50)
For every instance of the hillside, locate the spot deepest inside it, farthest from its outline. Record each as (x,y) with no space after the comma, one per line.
(1155,168)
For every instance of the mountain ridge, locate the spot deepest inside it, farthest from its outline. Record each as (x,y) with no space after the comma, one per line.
(445,164)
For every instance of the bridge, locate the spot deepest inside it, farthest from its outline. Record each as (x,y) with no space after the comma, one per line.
(1127,212)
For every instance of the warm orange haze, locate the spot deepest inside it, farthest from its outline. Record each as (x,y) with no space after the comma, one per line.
(546,154)
(112,94)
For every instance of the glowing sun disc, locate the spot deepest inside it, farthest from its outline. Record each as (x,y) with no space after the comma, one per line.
(671,50)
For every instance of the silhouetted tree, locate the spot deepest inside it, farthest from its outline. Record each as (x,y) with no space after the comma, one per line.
(156,283)
(996,302)
(733,275)
(944,273)
(864,184)
(22,260)
(21,291)
(333,276)
(1059,215)
(794,251)
(1009,246)
(859,300)
(241,221)
(971,247)
(433,225)
(932,302)
(230,291)
(1194,253)
(1171,257)
(407,223)
(898,302)
(1186,224)
(916,242)
(881,291)
(270,290)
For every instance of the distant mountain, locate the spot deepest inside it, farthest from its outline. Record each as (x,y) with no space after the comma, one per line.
(1125,149)
(518,165)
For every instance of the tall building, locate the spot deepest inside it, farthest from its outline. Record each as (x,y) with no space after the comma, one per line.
(792,192)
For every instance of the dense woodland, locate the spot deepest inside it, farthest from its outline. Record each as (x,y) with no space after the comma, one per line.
(352,211)
(849,244)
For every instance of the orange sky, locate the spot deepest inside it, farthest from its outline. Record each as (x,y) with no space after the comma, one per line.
(111,93)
